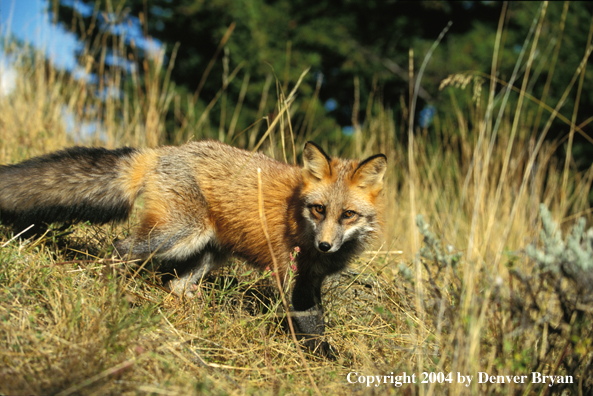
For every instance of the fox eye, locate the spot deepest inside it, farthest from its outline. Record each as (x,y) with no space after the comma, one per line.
(348,214)
(319,209)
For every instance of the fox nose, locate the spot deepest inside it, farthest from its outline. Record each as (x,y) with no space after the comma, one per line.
(324,246)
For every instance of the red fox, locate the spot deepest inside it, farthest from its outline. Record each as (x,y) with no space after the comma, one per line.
(201,206)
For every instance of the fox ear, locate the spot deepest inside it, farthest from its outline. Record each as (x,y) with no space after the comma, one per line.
(370,172)
(316,164)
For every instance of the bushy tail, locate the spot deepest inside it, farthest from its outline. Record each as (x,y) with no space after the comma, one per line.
(73,185)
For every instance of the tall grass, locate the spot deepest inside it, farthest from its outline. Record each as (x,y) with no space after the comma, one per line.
(75,322)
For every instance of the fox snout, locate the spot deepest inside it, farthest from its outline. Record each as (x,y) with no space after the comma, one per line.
(328,237)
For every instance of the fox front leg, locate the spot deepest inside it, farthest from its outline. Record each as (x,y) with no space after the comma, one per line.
(307,316)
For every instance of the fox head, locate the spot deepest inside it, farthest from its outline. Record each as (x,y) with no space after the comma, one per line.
(341,197)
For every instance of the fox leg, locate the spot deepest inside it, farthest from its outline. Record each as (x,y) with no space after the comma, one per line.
(308,313)
(187,252)
(165,243)
(189,256)
(175,227)
(190,271)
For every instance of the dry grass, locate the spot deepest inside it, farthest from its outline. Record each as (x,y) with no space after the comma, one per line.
(75,322)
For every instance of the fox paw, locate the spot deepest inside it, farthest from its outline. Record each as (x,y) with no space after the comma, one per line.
(320,348)
(182,289)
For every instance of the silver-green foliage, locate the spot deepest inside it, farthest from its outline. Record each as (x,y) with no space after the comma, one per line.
(572,258)
(432,250)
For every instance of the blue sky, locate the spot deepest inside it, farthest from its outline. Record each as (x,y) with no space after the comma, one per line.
(28,21)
